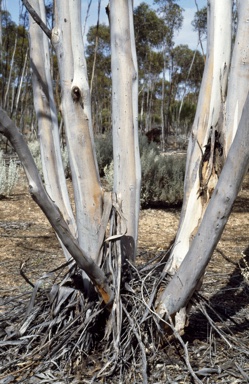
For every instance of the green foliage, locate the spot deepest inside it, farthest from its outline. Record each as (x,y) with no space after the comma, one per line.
(162,178)
(172,14)
(146,147)
(8,176)
(103,144)
(109,176)
(102,33)
(182,116)
(99,72)
(34,148)
(188,67)
(162,175)
(65,161)
(149,33)
(200,23)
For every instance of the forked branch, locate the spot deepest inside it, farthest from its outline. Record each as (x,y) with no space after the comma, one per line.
(52,212)
(37,18)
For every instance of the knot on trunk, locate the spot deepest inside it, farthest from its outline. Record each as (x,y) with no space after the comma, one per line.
(76,95)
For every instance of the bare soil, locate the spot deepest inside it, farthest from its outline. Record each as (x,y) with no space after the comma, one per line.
(26,237)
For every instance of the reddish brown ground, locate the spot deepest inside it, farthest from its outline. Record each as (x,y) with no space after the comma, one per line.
(26,236)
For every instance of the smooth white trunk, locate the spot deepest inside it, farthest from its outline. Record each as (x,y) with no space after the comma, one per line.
(76,109)
(10,74)
(48,131)
(21,81)
(238,76)
(127,172)
(183,284)
(50,209)
(201,178)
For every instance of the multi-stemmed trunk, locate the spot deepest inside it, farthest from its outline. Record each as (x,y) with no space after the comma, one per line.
(217,156)
(92,204)
(213,172)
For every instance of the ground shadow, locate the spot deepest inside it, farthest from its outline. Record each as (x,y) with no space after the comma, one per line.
(228,306)
(241,205)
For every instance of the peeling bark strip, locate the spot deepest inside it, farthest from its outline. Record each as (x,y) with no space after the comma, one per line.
(209,190)
(52,212)
(182,286)
(200,177)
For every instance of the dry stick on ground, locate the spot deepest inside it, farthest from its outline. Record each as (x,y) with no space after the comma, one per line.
(185,348)
(177,336)
(141,345)
(52,212)
(211,322)
(226,257)
(22,273)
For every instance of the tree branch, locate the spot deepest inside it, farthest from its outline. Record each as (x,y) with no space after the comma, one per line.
(37,18)
(50,209)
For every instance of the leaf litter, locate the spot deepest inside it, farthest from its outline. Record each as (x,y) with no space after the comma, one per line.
(50,333)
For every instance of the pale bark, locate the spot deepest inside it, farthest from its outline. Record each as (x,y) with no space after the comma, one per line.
(1,31)
(48,131)
(21,81)
(180,289)
(238,75)
(76,109)
(127,172)
(10,74)
(162,104)
(95,49)
(201,177)
(52,212)
(33,12)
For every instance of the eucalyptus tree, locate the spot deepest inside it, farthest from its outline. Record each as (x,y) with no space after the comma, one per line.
(187,71)
(149,34)
(89,196)
(84,234)
(217,156)
(217,152)
(98,58)
(172,15)
(200,26)
(15,82)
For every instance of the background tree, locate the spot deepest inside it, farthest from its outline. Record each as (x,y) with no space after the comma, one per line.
(101,84)
(200,26)
(212,179)
(15,81)
(149,35)
(172,15)
(214,141)
(187,70)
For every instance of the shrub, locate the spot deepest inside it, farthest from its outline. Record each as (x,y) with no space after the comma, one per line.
(162,175)
(145,146)
(8,176)
(34,148)
(162,178)
(65,161)
(109,176)
(103,144)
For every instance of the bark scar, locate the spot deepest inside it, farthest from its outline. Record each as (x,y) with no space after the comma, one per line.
(210,164)
(77,96)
